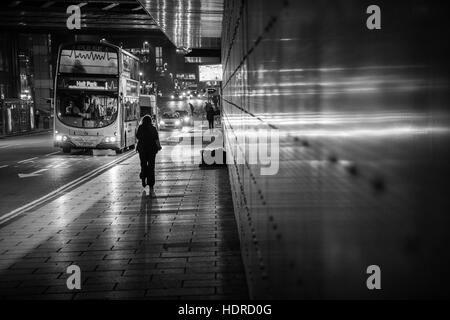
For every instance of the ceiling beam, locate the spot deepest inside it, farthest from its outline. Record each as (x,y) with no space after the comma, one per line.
(204,53)
(92,14)
(48,4)
(90,27)
(14,4)
(68,2)
(112,5)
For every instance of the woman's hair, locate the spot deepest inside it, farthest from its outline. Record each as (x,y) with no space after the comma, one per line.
(147,120)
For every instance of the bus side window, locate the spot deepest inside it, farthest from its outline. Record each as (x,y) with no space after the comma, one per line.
(135,110)
(127,110)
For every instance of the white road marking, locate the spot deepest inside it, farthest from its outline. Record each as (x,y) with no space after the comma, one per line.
(59,165)
(50,154)
(3,147)
(84,178)
(1,167)
(33,174)
(28,160)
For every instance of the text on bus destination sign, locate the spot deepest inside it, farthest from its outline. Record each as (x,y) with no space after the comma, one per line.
(94,85)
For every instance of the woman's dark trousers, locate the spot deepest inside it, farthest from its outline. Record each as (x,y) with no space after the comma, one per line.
(211,122)
(148,167)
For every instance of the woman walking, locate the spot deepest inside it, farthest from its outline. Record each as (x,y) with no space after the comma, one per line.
(148,146)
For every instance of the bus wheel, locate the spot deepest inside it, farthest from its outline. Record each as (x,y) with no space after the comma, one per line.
(67,150)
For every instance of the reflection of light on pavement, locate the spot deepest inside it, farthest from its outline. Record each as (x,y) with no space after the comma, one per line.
(113,186)
(62,205)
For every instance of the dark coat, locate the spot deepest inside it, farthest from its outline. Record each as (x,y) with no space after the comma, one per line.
(148,139)
(209,111)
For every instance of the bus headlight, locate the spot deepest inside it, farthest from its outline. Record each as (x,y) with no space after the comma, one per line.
(61,138)
(177,123)
(186,119)
(162,123)
(110,139)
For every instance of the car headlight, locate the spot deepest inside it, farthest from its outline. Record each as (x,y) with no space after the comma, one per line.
(64,138)
(59,138)
(162,123)
(186,119)
(177,123)
(172,97)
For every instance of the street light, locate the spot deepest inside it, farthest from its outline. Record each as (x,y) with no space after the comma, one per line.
(140,87)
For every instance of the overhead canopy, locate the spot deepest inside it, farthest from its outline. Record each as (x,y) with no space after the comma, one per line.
(188,23)
(96,15)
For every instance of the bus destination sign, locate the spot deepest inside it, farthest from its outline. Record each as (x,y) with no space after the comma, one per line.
(90,85)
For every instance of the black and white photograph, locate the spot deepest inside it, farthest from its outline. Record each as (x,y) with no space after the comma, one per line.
(224,155)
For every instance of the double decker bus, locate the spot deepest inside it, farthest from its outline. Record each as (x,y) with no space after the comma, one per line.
(96,97)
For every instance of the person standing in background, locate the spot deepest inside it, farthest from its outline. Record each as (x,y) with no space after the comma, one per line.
(37,116)
(210,115)
(192,109)
(215,100)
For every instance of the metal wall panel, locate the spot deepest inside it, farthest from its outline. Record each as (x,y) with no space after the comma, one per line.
(363,119)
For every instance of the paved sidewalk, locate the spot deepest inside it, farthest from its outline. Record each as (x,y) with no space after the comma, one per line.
(27,133)
(180,243)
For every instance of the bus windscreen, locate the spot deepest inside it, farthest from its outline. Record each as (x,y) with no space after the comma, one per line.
(89,59)
(86,109)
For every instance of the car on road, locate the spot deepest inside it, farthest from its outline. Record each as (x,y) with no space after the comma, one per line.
(176,96)
(185,117)
(170,121)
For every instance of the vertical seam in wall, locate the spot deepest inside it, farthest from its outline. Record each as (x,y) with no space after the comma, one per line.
(238,22)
